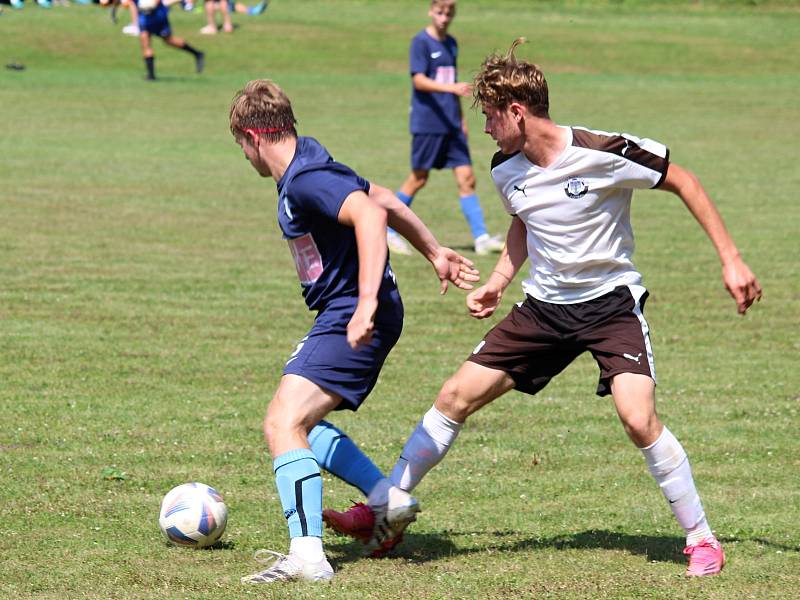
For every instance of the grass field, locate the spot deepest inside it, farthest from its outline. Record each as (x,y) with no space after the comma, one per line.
(147,305)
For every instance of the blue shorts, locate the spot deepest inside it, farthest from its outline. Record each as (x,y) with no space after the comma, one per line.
(325,358)
(439,151)
(156,22)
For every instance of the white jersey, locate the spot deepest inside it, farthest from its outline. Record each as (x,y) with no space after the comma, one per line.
(577,211)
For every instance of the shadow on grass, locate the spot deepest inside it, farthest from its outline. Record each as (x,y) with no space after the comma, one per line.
(427,547)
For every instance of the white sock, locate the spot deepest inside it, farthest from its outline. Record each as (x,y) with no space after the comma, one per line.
(379,494)
(308,547)
(669,465)
(427,445)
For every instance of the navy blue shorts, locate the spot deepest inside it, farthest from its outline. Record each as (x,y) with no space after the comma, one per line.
(325,358)
(439,151)
(156,22)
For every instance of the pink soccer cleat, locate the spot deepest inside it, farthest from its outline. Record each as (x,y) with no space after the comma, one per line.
(705,558)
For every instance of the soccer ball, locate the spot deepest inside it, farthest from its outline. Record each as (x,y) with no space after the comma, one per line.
(193,514)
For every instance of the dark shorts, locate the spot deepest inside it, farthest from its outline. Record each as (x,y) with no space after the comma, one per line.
(156,22)
(537,340)
(325,358)
(439,151)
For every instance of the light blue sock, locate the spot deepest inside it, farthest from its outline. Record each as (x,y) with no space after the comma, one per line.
(471,208)
(407,200)
(300,488)
(337,454)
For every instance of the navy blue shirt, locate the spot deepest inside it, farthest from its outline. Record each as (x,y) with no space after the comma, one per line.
(310,194)
(434,112)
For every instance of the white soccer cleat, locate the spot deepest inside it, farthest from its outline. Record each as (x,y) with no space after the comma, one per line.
(397,244)
(488,244)
(288,568)
(131,29)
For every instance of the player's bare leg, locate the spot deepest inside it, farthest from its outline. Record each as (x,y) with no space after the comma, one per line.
(296,408)
(181,44)
(473,213)
(147,54)
(634,399)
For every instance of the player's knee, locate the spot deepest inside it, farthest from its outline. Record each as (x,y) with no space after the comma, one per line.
(270,428)
(276,422)
(453,402)
(467,185)
(418,180)
(643,429)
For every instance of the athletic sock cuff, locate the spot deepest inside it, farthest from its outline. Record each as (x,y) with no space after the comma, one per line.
(292,456)
(664,432)
(440,428)
(439,416)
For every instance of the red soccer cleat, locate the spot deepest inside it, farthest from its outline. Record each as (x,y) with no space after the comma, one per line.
(358,522)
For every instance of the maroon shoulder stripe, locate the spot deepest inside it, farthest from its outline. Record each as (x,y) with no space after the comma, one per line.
(621,146)
(499,158)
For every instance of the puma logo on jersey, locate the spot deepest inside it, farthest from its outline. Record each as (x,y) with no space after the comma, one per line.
(479,347)
(521,189)
(627,146)
(436,55)
(633,358)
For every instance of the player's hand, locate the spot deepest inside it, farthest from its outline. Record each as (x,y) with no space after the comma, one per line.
(362,324)
(451,266)
(741,284)
(484,301)
(462,89)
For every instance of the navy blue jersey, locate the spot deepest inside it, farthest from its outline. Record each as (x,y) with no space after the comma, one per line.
(310,195)
(434,112)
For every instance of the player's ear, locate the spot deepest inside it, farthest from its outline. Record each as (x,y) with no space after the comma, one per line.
(253,137)
(517,111)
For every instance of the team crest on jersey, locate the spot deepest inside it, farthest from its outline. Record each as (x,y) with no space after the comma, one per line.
(576,187)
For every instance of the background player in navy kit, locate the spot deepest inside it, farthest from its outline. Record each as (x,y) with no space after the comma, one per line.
(154,20)
(335,223)
(438,126)
(568,191)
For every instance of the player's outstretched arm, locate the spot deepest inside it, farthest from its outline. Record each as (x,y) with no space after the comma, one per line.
(369,221)
(736,275)
(484,301)
(449,265)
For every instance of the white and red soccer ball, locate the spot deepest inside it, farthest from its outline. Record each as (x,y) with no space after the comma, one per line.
(193,515)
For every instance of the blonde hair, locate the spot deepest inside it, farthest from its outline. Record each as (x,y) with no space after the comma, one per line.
(263,108)
(503,80)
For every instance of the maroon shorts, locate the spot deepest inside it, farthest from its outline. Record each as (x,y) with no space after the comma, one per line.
(537,340)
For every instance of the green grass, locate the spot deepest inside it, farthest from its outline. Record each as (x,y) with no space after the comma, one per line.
(148,303)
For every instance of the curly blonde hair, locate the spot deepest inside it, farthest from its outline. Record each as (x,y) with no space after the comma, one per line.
(503,79)
(263,108)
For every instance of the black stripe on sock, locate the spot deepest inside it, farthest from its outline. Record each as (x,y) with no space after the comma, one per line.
(298,499)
